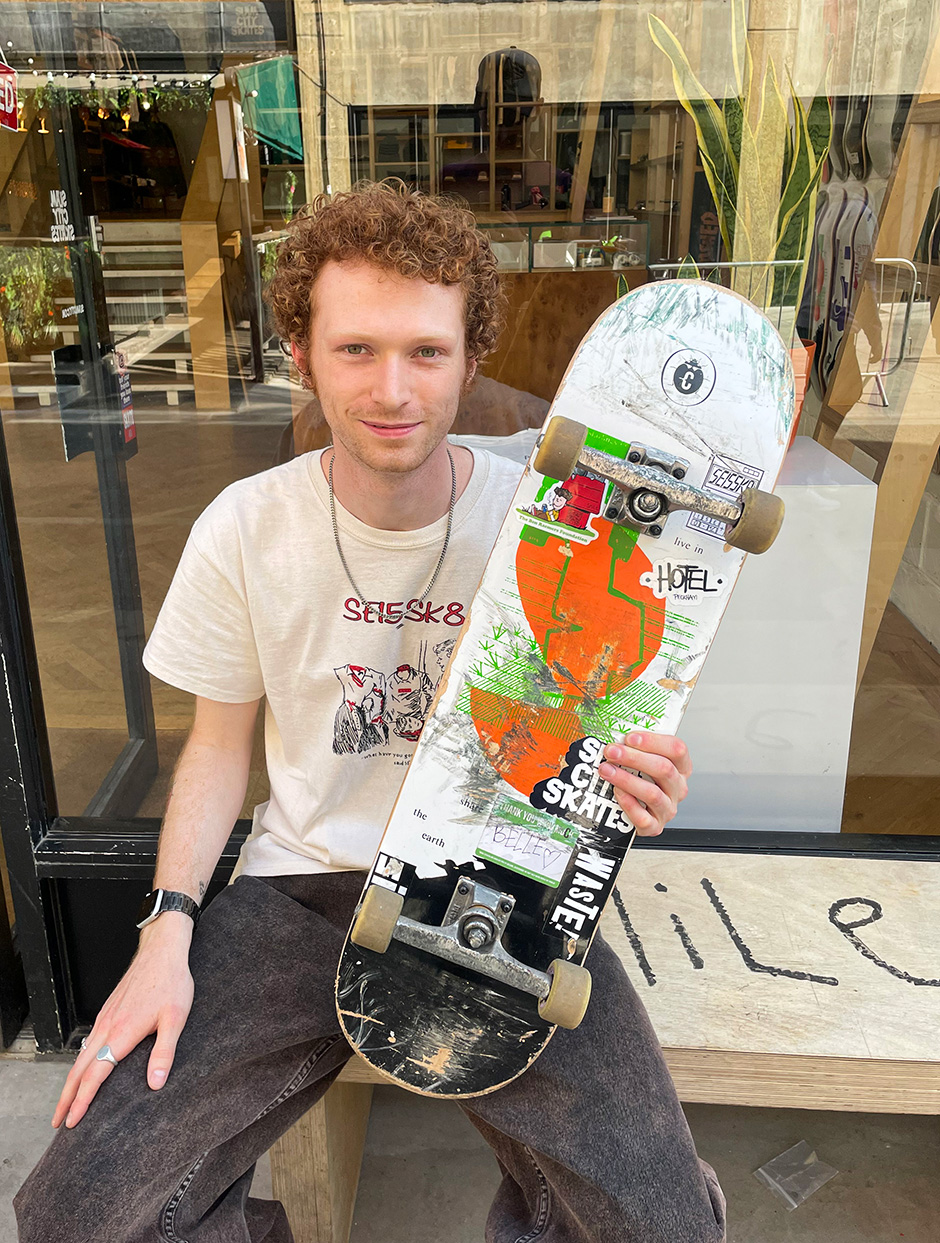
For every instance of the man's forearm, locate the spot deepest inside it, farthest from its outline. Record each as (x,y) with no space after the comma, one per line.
(206,796)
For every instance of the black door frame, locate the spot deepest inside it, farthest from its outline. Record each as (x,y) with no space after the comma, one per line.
(96,416)
(41,847)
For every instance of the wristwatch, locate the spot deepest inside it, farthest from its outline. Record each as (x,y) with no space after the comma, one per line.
(161,900)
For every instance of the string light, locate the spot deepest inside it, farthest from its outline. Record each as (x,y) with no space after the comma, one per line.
(136,79)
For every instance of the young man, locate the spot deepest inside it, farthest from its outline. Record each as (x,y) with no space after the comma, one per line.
(317,585)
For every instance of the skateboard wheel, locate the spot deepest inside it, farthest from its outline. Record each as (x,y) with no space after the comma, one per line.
(761,518)
(557,455)
(375,922)
(568,996)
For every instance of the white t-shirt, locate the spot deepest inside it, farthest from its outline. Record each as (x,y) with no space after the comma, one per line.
(260,606)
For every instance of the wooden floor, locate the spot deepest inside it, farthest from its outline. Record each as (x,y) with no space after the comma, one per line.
(894,765)
(180,467)
(894,760)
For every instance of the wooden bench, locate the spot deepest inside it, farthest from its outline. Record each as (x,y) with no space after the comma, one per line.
(315,1166)
(775,980)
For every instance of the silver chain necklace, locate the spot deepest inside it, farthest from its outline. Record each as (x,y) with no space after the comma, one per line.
(440,561)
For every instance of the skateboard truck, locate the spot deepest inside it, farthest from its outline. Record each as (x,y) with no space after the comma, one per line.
(650,485)
(471,936)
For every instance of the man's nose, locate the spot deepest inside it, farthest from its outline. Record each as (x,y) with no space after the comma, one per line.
(390,387)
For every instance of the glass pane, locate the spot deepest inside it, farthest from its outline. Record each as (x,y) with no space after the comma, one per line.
(153,158)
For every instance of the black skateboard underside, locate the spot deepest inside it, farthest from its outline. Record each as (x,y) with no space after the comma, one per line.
(445,1030)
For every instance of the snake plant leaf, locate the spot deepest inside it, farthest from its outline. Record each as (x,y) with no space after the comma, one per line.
(763,133)
(622,287)
(762,167)
(719,160)
(741,60)
(803,170)
(688,270)
(724,192)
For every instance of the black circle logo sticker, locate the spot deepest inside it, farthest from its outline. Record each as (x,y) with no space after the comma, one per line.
(688,377)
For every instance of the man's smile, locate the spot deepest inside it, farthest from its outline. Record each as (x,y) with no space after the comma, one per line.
(390,430)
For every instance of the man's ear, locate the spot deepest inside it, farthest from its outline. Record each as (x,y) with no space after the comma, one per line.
(301,362)
(471,373)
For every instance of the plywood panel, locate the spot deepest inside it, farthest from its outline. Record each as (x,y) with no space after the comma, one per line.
(758,953)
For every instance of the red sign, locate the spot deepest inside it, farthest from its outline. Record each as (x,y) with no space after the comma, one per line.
(8,110)
(127,400)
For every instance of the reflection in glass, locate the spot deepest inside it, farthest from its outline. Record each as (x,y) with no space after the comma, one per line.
(788,152)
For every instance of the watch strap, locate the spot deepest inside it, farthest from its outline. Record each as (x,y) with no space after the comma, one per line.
(159,901)
(173,901)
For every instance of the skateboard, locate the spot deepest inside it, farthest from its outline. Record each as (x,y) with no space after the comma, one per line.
(827,227)
(853,240)
(650,481)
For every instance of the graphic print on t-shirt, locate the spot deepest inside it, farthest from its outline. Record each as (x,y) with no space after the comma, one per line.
(377,708)
(359,724)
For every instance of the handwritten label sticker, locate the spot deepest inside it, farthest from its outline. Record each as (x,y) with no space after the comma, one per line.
(683,582)
(520,838)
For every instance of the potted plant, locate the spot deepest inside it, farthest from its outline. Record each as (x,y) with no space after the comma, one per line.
(763,158)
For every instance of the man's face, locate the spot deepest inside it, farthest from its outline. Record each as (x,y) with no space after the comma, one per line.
(388,361)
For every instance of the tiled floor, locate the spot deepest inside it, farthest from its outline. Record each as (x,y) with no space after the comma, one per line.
(427,1175)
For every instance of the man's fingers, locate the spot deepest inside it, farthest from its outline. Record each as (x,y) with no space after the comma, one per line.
(657,768)
(92,1080)
(644,802)
(644,821)
(85,1059)
(666,745)
(164,1050)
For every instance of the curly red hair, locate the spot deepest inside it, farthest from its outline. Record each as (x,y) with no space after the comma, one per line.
(397,229)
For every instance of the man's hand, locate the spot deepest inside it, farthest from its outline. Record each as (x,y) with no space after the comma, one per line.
(155,995)
(650,794)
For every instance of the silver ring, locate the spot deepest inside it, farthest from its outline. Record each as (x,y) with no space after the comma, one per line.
(104,1054)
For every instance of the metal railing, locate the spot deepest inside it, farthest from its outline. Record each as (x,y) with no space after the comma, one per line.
(898,297)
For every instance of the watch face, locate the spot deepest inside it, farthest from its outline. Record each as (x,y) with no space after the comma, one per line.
(149,908)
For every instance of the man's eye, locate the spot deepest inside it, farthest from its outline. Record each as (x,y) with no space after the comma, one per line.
(355,349)
(429,351)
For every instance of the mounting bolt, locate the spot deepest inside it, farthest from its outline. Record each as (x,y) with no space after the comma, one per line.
(505,906)
(655,529)
(647,504)
(611,512)
(634,456)
(478,931)
(678,472)
(463,887)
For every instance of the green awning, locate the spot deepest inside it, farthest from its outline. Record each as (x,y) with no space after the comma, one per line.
(272,115)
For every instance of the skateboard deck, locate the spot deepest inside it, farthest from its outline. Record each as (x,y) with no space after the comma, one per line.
(596,610)
(852,245)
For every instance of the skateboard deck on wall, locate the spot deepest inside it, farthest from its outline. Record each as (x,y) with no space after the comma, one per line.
(824,276)
(852,246)
(595,613)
